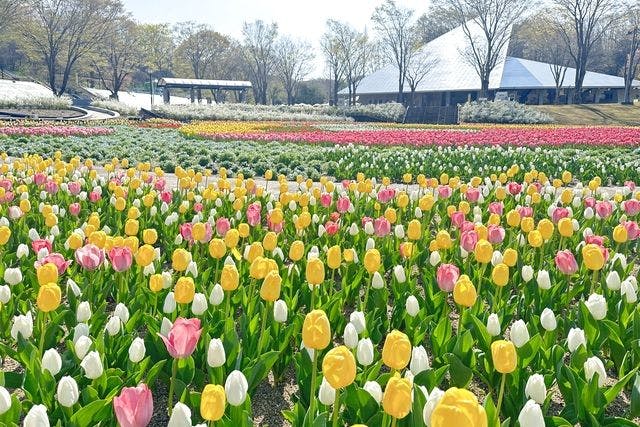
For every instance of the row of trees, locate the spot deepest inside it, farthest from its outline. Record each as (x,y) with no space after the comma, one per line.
(58,39)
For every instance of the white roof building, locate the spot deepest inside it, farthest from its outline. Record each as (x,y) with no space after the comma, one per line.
(452,79)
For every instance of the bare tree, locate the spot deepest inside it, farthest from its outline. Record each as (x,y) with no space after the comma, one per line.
(582,24)
(293,63)
(420,64)
(118,56)
(331,50)
(436,22)
(630,43)
(495,19)
(156,42)
(9,10)
(259,49)
(63,31)
(394,26)
(201,49)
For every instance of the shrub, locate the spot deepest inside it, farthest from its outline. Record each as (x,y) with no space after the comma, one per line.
(40,103)
(119,107)
(501,112)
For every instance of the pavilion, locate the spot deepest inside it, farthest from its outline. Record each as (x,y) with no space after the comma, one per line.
(195,87)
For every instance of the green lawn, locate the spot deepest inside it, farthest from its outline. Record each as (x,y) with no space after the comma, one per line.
(594,114)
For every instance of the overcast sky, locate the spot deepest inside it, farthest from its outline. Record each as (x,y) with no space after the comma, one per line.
(303,19)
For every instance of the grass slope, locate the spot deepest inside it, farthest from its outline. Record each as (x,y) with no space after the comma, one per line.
(594,114)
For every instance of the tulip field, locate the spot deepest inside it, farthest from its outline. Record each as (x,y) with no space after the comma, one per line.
(152,274)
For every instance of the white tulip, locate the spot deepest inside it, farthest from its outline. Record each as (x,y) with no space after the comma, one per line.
(192,268)
(113,325)
(358,320)
(5,294)
(67,393)
(419,360)
(548,320)
(80,330)
(364,352)
(167,280)
(280,311)
(493,325)
(22,251)
(519,333)
(597,306)
(368,228)
(36,417)
(434,258)
(575,339)
(350,335)
(629,292)
(169,305)
(51,361)
(588,213)
(496,258)
(412,306)
(593,366)
(13,276)
(326,393)
(216,355)
(399,274)
(544,282)
(399,231)
(374,389)
(137,350)
(353,229)
(217,295)
(181,415)
(83,312)
(122,312)
(74,287)
(165,326)
(92,365)
(22,324)
(235,388)
(377,282)
(536,389)
(5,400)
(613,280)
(199,304)
(432,401)
(527,273)
(531,415)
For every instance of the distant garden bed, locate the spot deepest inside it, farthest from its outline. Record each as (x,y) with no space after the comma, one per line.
(501,112)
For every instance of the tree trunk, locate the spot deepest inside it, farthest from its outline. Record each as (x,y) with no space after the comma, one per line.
(556,99)
(400,97)
(484,88)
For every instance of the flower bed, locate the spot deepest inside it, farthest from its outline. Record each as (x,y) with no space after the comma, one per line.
(381,304)
(52,130)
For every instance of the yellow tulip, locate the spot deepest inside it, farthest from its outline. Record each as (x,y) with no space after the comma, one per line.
(229,277)
(49,297)
(270,241)
(510,257)
(296,251)
(500,274)
(334,257)
(464,293)
(535,239)
(150,236)
(458,407)
(156,282)
(565,227)
(254,251)
(372,261)
(339,367)
(185,290)
(181,259)
(414,230)
(231,238)
(145,255)
(270,289)
(396,400)
(47,273)
(620,234)
(396,351)
(316,331)
(504,356)
(315,271)
(593,257)
(217,248)
(483,251)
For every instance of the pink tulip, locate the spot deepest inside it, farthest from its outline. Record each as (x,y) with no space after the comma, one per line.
(525,211)
(559,213)
(444,191)
(385,195)
(473,194)
(134,406)
(596,240)
(121,258)
(447,276)
(457,219)
(566,262)
(630,185)
(331,227)
(222,226)
(39,178)
(74,188)
(345,184)
(7,184)
(325,200)
(468,240)
(197,207)
(57,260)
(185,231)
(589,202)
(496,208)
(514,188)
(365,220)
(633,230)
(15,212)
(381,226)
(467,226)
(166,196)
(495,233)
(94,196)
(253,214)
(159,184)
(90,257)
(343,204)
(604,209)
(632,207)
(51,187)
(74,209)
(38,244)
(183,337)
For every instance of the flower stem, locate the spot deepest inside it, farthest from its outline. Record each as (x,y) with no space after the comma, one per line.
(227,304)
(43,329)
(174,372)
(312,393)
(394,420)
(501,394)
(336,409)
(265,314)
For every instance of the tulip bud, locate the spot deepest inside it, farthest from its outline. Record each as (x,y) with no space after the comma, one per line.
(83,313)
(199,304)
(12,276)
(593,366)
(519,333)
(576,338)
(350,336)
(326,393)
(377,282)
(51,361)
(67,393)
(5,400)
(597,306)
(364,352)
(165,326)
(122,312)
(412,306)
(92,365)
(493,325)
(419,360)
(548,320)
(374,389)
(137,350)
(216,355)
(23,325)
(181,414)
(113,325)
(169,305)
(81,346)
(236,387)
(613,280)
(536,389)
(22,251)
(280,311)
(5,294)
(531,415)
(432,401)
(358,320)
(527,273)
(217,295)
(544,282)
(434,258)
(629,292)
(504,356)
(36,417)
